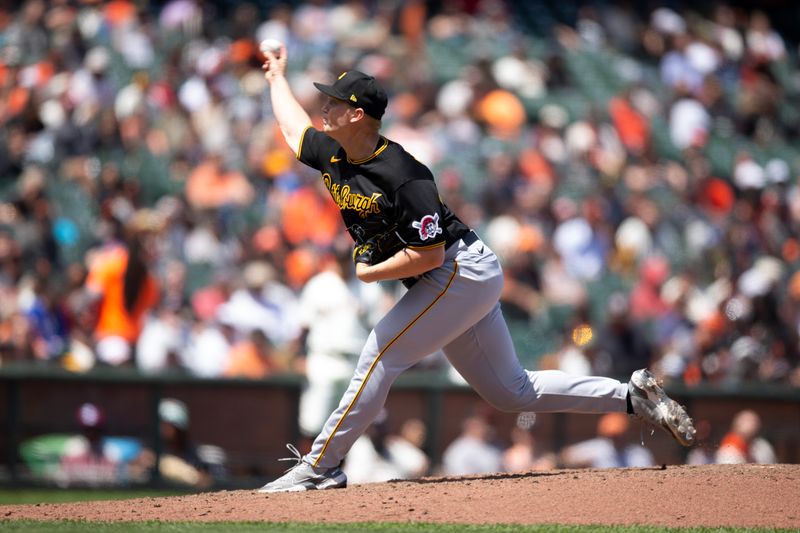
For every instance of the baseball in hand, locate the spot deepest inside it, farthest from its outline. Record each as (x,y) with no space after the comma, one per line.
(272,46)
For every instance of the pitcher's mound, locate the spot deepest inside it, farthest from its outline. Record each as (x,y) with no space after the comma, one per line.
(714,495)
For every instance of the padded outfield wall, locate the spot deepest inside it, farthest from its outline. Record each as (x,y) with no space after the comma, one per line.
(253,420)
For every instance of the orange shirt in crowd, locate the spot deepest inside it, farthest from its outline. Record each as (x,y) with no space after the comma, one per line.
(309,216)
(106,277)
(732,440)
(244,361)
(209,186)
(632,127)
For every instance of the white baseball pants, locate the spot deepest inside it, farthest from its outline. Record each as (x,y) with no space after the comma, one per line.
(455,308)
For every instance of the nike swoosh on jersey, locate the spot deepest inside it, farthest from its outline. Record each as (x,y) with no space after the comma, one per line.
(335,159)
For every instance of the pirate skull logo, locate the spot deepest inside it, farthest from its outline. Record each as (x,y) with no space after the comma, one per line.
(428,227)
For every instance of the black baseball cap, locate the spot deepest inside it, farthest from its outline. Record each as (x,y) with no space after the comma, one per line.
(358,90)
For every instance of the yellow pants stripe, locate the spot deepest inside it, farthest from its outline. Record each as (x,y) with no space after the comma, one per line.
(378,358)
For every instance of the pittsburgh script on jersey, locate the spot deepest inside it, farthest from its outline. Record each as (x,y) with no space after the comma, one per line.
(364,205)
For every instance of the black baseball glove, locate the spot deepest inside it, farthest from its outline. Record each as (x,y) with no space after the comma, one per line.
(379,248)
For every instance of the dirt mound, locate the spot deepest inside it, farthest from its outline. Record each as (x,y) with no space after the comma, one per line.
(717,495)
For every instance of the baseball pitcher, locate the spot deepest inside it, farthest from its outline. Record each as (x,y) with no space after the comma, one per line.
(404,231)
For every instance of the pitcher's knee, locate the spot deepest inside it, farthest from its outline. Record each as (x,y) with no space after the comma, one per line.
(510,403)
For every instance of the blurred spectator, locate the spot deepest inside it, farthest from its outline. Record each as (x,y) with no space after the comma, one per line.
(621,347)
(253,358)
(211,185)
(380,456)
(334,337)
(610,449)
(160,343)
(407,448)
(26,39)
(689,123)
(646,303)
(121,282)
(522,455)
(48,323)
(744,443)
(472,452)
(91,458)
(762,41)
(207,349)
(87,461)
(631,126)
(207,300)
(579,247)
(182,461)
(263,303)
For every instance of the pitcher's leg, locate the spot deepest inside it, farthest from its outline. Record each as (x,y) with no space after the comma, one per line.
(429,316)
(484,355)
(324,372)
(360,404)
(561,392)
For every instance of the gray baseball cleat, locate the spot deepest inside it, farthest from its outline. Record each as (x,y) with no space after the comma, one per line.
(652,405)
(303,476)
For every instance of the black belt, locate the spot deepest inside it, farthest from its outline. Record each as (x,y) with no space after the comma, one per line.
(469,237)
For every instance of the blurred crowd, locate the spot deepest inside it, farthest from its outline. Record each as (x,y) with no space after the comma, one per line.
(636,171)
(93,456)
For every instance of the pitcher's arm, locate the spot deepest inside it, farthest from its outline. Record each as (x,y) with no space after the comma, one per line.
(292,118)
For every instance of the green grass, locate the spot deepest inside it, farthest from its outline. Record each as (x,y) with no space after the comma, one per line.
(260,527)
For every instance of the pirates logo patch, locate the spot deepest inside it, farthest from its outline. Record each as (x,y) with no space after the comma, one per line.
(428,227)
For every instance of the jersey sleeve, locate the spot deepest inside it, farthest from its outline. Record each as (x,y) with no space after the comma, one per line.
(420,214)
(315,148)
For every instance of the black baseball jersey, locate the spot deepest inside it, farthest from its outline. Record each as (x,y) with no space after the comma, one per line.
(388,187)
